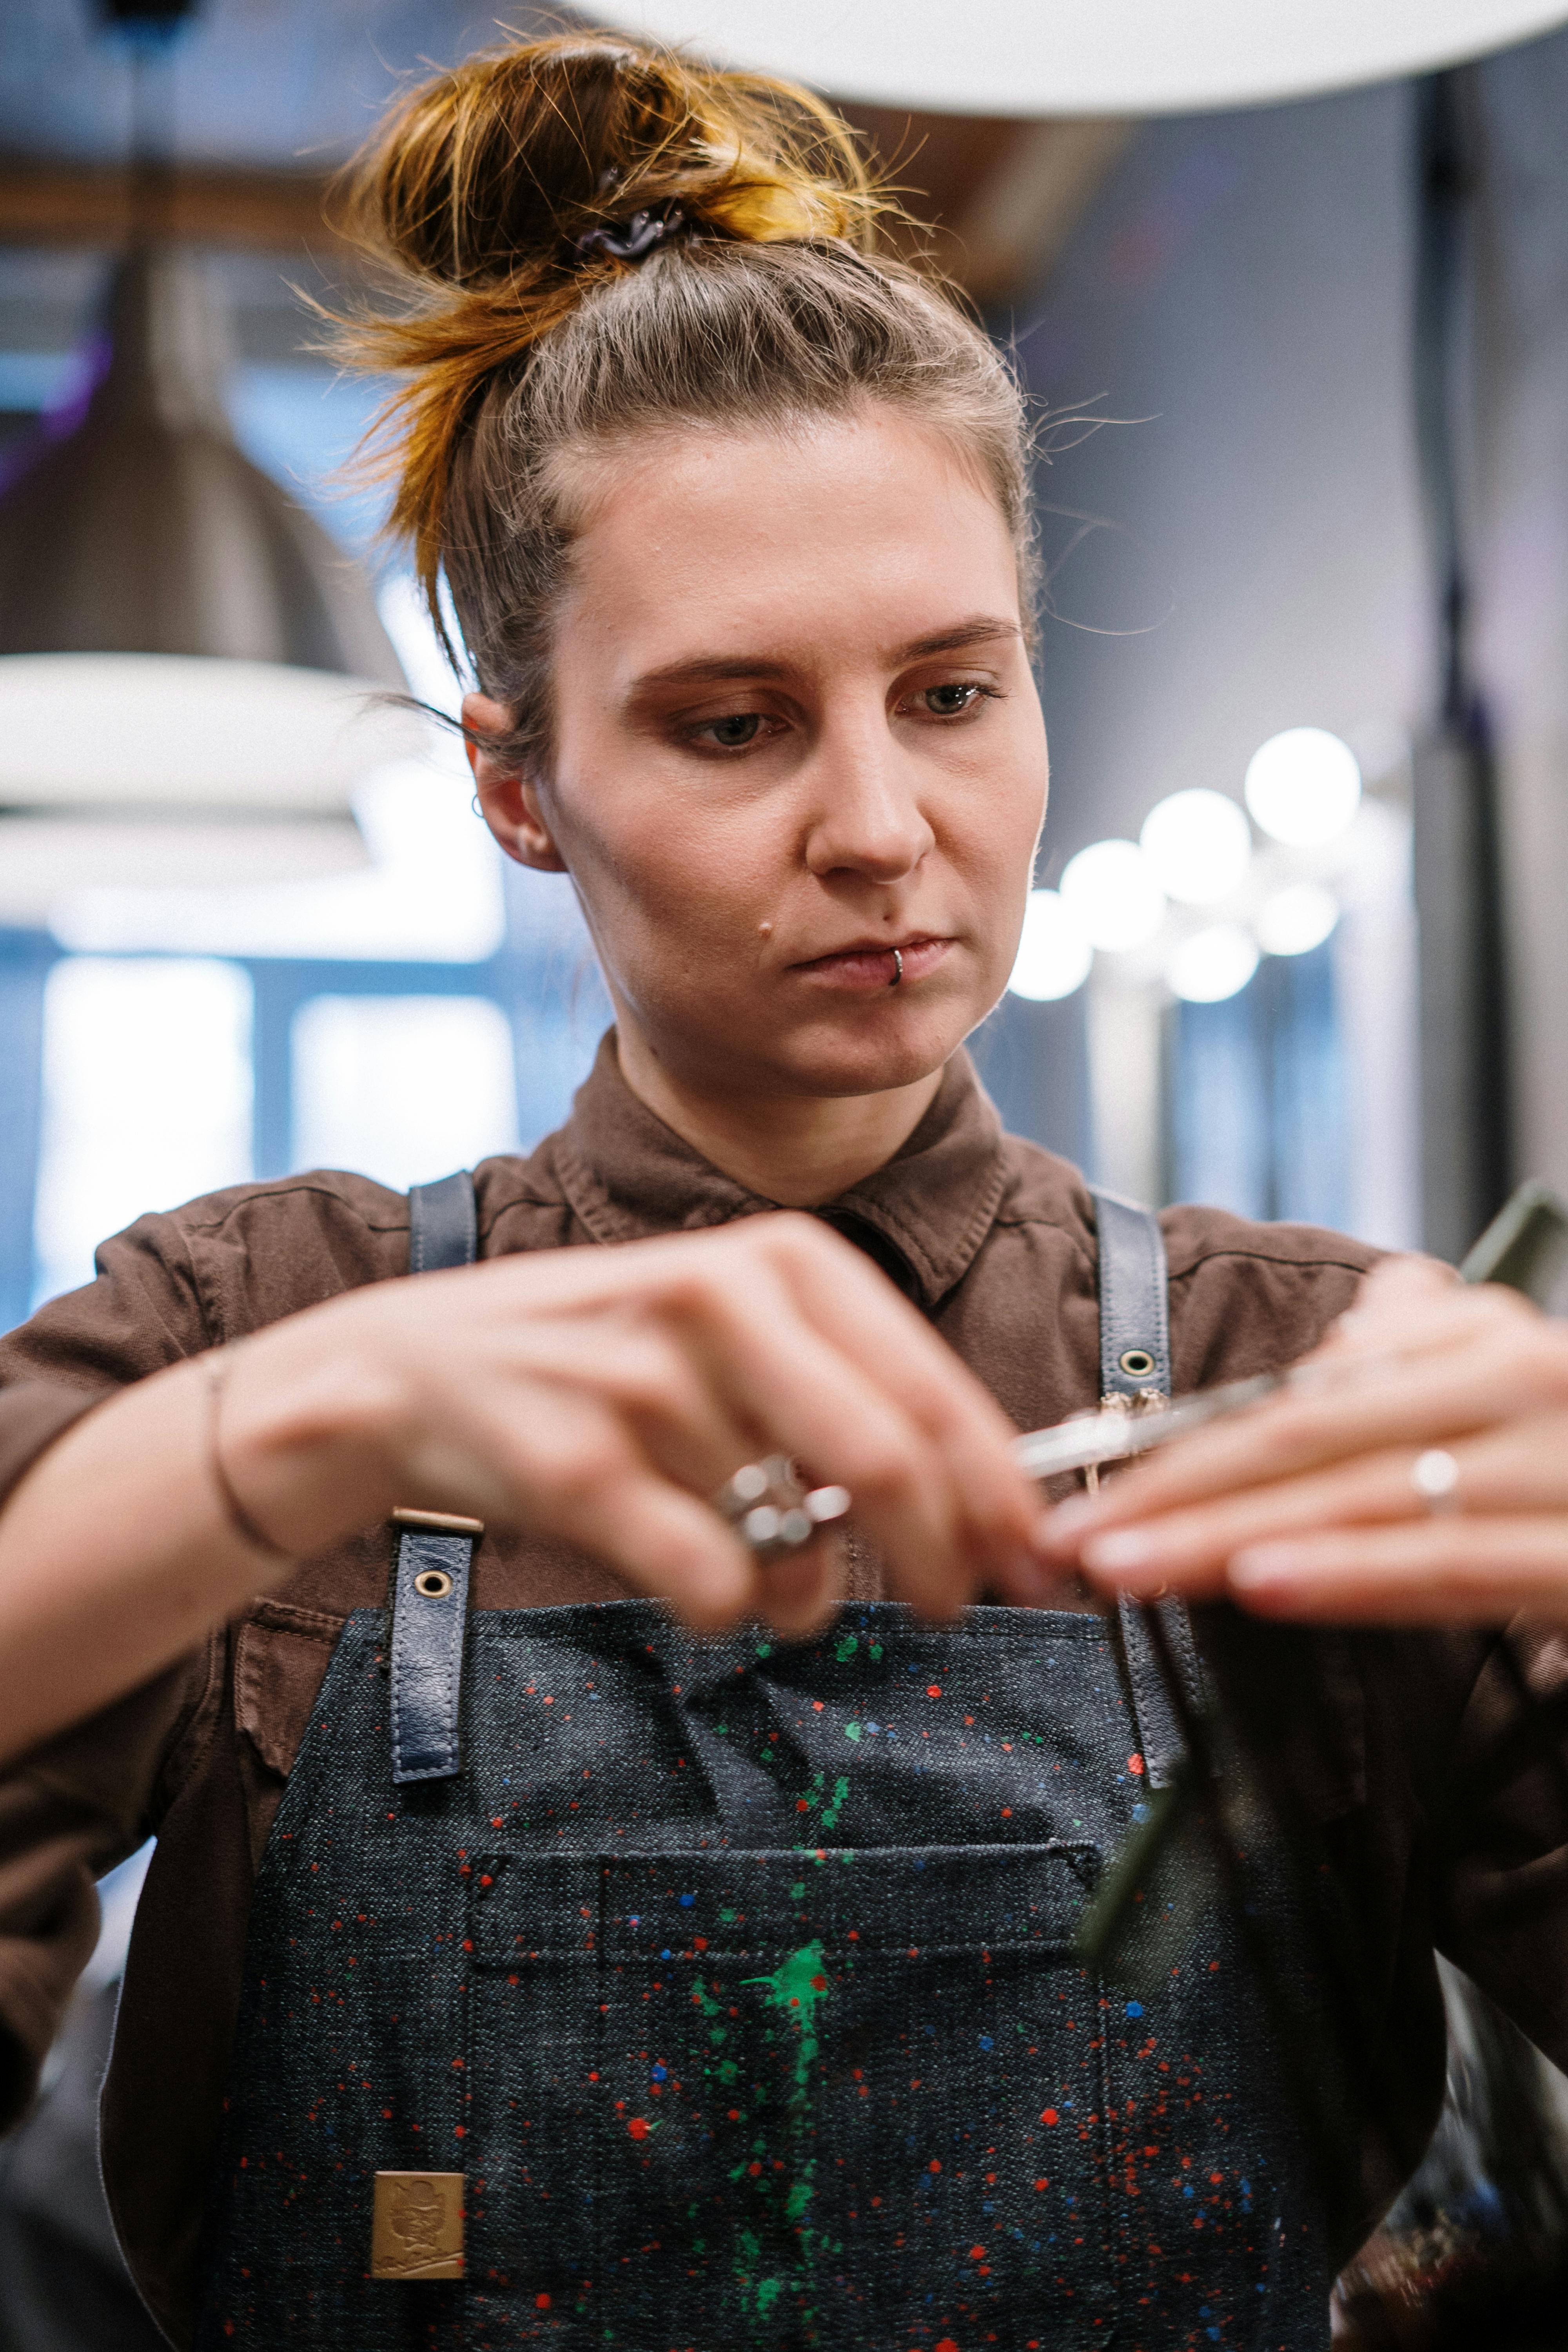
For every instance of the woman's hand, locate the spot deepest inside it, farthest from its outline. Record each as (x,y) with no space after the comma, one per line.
(601,1397)
(1306,1505)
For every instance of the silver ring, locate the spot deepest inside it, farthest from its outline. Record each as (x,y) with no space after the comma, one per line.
(771,1512)
(1434,1476)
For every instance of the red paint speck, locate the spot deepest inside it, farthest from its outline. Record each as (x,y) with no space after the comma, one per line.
(1042,2184)
(542,2303)
(977,2254)
(933,1690)
(1049,2116)
(1135,1764)
(638,2128)
(947,2344)
(935,2164)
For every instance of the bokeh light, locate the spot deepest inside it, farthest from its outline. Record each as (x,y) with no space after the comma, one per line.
(1296,919)
(1054,953)
(1199,844)
(1111,890)
(1303,786)
(1213,963)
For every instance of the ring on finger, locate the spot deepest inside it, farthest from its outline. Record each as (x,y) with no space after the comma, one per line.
(1434,1476)
(771,1512)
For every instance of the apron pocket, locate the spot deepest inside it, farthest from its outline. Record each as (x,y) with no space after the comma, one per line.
(831,2097)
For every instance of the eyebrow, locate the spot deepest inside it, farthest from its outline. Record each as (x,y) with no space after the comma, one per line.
(981,629)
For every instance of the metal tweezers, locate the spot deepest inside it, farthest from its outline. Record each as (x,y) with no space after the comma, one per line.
(1092,1439)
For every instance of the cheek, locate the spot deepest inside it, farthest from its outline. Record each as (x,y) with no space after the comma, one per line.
(671,878)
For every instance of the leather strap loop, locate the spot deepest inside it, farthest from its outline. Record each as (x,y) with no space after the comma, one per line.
(1134,1311)
(430,1577)
(443,1224)
(429,1617)
(1135,1360)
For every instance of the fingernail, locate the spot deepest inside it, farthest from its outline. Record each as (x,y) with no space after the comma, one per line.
(1123,1547)
(1266,1564)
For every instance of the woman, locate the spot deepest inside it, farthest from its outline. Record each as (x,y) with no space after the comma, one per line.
(594,1981)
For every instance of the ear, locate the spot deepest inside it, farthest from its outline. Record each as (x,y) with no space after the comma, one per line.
(508,799)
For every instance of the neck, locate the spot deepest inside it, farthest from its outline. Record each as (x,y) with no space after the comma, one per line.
(797,1149)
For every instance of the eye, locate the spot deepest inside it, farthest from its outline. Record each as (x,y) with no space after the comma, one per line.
(952,701)
(734,732)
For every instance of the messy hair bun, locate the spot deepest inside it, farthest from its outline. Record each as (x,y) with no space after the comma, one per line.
(595,235)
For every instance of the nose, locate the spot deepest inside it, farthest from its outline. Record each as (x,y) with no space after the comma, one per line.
(868,819)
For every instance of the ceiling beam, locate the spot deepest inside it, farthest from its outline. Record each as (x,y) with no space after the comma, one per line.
(1001,198)
(44,203)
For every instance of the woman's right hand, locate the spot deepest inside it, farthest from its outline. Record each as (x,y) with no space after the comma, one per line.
(600,1396)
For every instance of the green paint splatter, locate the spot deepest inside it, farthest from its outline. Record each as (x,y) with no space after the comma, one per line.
(851,1731)
(794,1991)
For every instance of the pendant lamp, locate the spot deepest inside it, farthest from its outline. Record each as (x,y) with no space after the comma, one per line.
(1059,56)
(189,664)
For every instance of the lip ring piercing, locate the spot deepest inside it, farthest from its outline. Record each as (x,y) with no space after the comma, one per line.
(898,969)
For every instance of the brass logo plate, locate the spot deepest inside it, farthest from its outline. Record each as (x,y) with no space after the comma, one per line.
(418,2229)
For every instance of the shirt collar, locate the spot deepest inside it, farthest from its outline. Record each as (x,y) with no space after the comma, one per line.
(628,1176)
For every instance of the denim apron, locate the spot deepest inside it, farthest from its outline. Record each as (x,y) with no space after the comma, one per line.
(630,1989)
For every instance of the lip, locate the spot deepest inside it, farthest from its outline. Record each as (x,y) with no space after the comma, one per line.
(867,964)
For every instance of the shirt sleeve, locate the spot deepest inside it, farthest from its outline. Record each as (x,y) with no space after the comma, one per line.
(80,1805)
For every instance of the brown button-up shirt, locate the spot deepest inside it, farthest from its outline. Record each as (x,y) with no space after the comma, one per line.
(994,1240)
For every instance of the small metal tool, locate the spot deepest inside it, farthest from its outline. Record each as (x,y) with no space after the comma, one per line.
(1090,1439)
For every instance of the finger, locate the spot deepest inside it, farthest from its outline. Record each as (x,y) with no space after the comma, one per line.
(679,1417)
(804,1592)
(819,1407)
(669,1546)
(1442,1572)
(1396,1289)
(1523,1469)
(994,1506)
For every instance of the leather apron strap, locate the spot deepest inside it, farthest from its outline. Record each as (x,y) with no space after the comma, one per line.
(1135,1362)
(435,1550)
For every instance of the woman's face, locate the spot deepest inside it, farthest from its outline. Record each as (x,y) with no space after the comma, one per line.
(795,730)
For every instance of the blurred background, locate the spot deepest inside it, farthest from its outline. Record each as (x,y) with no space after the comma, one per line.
(1300,370)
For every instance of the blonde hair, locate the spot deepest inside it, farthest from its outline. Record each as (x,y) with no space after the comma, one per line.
(496,192)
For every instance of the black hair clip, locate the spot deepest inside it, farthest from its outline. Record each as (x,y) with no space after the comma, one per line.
(632,239)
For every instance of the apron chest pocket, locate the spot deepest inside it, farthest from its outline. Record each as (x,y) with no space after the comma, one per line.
(832,2097)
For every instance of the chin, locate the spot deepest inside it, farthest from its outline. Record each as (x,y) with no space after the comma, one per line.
(895,1050)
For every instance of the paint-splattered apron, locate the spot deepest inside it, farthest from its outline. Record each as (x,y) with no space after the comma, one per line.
(725,1996)
(736,1982)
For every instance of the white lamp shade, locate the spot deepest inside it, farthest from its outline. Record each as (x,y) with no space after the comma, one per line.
(1059,56)
(165,732)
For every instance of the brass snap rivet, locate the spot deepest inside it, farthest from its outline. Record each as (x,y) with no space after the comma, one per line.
(1137,1363)
(434,1584)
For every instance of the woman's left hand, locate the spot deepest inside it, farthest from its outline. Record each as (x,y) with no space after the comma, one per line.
(1311,1505)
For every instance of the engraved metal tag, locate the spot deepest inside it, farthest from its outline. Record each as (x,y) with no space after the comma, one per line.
(418,2229)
